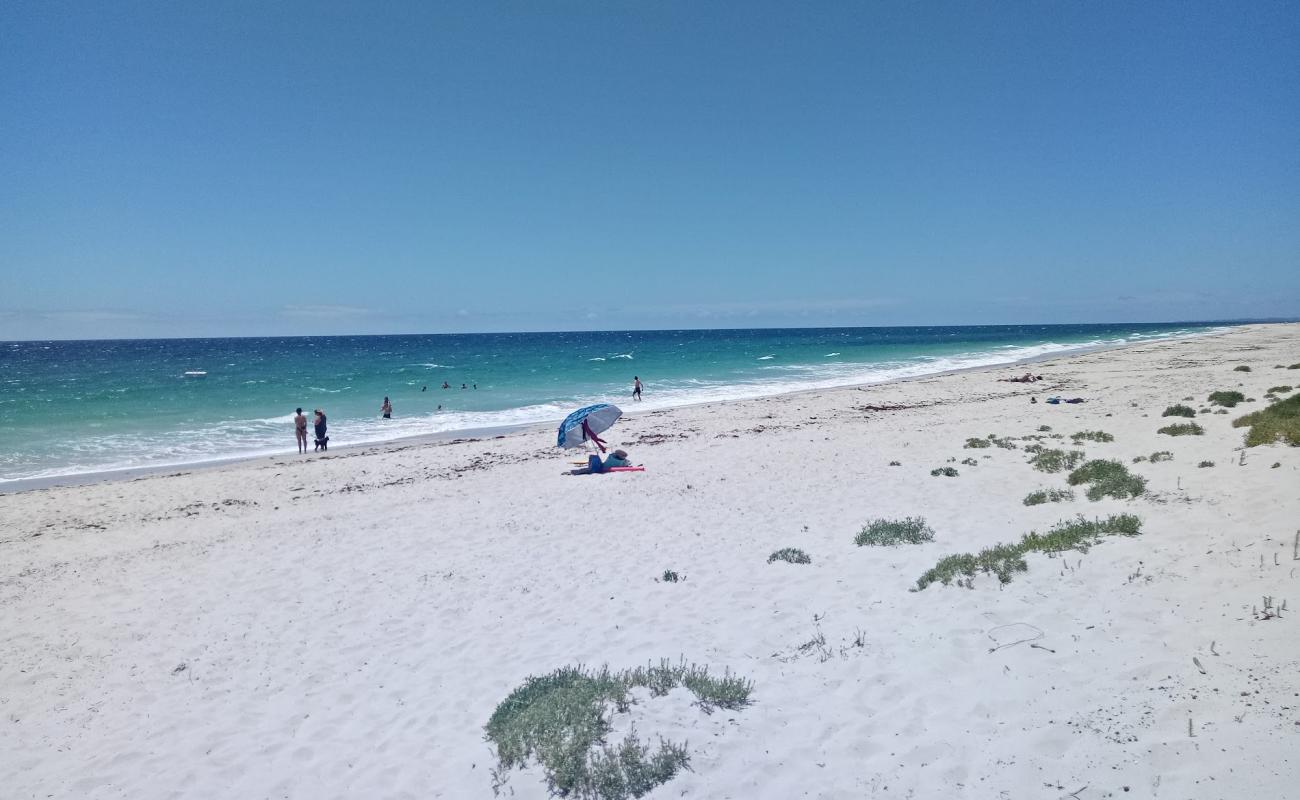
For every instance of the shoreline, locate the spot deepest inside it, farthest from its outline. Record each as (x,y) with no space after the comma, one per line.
(20,485)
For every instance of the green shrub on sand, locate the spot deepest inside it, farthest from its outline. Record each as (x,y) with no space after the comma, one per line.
(1279,421)
(1053,461)
(1048,496)
(561,721)
(1227,399)
(1179,411)
(1108,479)
(947,472)
(1091,436)
(790,555)
(1004,560)
(1182,429)
(887,532)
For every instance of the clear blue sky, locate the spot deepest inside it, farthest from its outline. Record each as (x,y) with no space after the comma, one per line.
(242,168)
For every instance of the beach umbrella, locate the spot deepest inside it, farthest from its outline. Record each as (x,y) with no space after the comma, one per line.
(584,424)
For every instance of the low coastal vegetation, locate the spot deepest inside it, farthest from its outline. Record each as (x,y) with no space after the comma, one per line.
(1281,420)
(887,532)
(970,462)
(1279,389)
(1107,479)
(1294,366)
(561,721)
(1048,496)
(1182,429)
(1241,368)
(1004,560)
(790,555)
(947,472)
(1204,464)
(1179,411)
(1091,436)
(670,576)
(1052,461)
(1161,455)
(1227,399)
(977,443)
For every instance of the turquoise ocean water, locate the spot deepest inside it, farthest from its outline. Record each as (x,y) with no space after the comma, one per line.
(70,408)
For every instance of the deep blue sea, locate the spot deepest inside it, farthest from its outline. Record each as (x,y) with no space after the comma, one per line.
(71,407)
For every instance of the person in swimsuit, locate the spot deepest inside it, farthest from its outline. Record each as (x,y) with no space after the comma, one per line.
(386,409)
(300,431)
(636,388)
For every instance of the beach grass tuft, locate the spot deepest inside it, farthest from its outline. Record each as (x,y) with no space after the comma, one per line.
(1004,560)
(889,532)
(1182,429)
(561,721)
(1179,411)
(1294,366)
(1053,461)
(1044,428)
(1048,496)
(1280,389)
(1161,455)
(1241,368)
(790,555)
(975,442)
(1226,398)
(1107,479)
(1205,464)
(1280,420)
(947,472)
(670,576)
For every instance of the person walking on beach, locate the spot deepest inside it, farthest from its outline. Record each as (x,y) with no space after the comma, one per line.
(386,409)
(322,439)
(636,388)
(300,431)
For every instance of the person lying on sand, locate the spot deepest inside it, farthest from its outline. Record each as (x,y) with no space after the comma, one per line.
(595,466)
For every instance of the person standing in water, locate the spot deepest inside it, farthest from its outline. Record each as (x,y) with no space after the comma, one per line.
(386,409)
(300,431)
(636,388)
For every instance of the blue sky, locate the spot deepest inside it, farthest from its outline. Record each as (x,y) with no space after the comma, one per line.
(246,168)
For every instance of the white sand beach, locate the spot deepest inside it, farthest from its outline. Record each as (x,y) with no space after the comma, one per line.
(343,626)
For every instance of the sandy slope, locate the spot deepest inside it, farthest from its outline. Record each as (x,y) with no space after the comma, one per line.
(344,626)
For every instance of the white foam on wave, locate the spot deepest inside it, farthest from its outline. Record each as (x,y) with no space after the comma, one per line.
(766,358)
